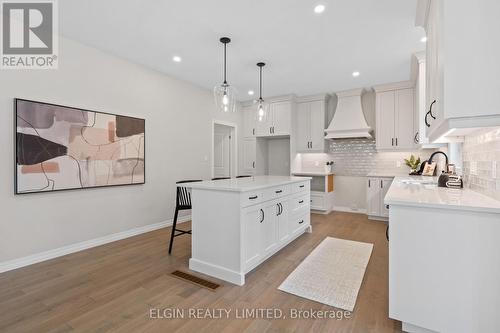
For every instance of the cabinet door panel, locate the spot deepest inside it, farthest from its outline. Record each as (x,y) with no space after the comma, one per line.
(249,155)
(283,228)
(303,127)
(373,196)
(385,119)
(249,121)
(252,226)
(282,118)
(264,124)
(317,125)
(404,119)
(269,229)
(385,184)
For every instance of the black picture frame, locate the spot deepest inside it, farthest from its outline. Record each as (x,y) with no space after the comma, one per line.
(16,190)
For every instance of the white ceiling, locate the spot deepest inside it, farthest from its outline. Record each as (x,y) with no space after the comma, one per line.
(306,53)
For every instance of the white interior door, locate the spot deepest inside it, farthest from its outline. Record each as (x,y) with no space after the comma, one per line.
(222,151)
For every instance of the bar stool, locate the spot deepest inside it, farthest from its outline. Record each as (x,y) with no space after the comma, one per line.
(182,202)
(221,178)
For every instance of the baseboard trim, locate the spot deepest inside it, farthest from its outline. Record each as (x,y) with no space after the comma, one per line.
(348,210)
(72,248)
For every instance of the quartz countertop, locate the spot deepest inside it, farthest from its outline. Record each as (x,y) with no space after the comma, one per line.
(421,191)
(387,174)
(312,173)
(245,184)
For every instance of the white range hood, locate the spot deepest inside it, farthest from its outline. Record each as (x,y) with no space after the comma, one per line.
(348,120)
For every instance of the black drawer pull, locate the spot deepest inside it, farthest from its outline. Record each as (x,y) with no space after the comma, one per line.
(301,222)
(301,186)
(301,201)
(254,197)
(279,191)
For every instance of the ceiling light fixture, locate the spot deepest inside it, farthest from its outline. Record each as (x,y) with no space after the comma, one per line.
(176,59)
(355,74)
(224,94)
(318,9)
(251,92)
(423,39)
(261,107)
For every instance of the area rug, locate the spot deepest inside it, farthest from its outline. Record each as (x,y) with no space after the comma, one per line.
(331,274)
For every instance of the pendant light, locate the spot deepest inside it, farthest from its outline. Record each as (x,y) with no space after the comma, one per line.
(225,95)
(261,109)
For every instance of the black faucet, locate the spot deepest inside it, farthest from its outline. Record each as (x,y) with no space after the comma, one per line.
(438,152)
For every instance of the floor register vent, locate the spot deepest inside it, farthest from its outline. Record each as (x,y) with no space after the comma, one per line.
(196,280)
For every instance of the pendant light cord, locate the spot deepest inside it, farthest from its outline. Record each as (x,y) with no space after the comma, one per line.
(225,81)
(260,92)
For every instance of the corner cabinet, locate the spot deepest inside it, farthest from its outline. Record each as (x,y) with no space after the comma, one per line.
(462,72)
(311,124)
(395,115)
(376,189)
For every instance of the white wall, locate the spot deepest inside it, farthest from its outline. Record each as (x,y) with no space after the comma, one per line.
(178,146)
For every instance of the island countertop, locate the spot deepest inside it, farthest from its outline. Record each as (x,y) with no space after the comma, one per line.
(245,184)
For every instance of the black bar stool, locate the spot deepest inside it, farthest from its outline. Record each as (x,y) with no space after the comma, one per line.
(182,202)
(221,178)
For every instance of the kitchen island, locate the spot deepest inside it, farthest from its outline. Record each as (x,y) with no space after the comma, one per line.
(444,255)
(239,223)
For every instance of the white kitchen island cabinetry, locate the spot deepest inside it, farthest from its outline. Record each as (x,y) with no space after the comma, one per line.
(238,223)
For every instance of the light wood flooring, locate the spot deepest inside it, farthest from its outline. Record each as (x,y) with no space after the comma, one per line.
(112,288)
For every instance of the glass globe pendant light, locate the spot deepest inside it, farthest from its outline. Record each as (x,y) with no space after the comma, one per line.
(224,94)
(261,108)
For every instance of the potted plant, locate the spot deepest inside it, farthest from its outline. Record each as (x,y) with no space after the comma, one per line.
(414,164)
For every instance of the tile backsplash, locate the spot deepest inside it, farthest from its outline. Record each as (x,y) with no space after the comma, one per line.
(358,157)
(481,162)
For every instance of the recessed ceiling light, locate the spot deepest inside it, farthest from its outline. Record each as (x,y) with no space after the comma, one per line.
(355,74)
(423,39)
(319,9)
(176,59)
(251,92)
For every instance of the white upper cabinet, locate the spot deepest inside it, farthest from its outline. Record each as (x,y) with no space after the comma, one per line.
(311,114)
(395,107)
(249,156)
(277,119)
(462,87)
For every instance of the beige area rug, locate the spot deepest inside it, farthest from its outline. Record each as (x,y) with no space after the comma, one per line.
(331,274)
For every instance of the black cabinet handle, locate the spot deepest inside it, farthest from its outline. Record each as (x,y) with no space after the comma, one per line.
(426,122)
(369,183)
(301,201)
(278,212)
(253,164)
(281,208)
(381,183)
(430,109)
(396,141)
(279,191)
(301,222)
(253,198)
(392,142)
(387,233)
(416,139)
(301,186)
(253,131)
(262,220)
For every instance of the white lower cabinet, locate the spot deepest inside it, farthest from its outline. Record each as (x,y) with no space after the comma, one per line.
(270,225)
(376,189)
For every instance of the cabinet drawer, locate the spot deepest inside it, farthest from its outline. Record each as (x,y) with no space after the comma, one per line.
(300,202)
(299,221)
(317,201)
(301,187)
(278,192)
(252,198)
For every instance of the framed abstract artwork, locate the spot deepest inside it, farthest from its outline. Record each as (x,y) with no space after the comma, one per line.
(65,148)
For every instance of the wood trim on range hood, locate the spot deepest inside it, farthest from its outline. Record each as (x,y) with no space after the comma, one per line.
(348,120)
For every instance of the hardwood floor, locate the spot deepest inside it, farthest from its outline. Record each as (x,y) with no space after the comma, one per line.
(112,288)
